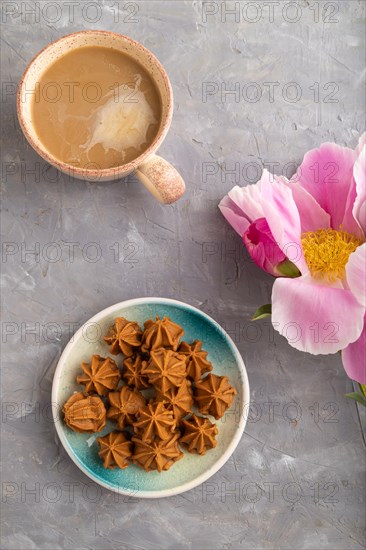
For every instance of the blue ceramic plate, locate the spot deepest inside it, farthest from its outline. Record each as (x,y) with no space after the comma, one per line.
(192,469)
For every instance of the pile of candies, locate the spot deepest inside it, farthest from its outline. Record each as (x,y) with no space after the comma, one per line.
(150,398)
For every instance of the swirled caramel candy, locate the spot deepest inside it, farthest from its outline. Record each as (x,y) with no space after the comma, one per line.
(196,359)
(123,337)
(115,449)
(85,413)
(132,367)
(157,454)
(178,400)
(124,406)
(166,369)
(214,395)
(100,375)
(154,420)
(199,434)
(161,333)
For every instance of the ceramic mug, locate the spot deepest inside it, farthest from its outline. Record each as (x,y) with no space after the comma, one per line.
(157,175)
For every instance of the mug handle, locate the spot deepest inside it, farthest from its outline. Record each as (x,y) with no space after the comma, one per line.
(161,179)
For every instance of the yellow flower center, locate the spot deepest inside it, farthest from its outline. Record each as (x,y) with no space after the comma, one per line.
(327,251)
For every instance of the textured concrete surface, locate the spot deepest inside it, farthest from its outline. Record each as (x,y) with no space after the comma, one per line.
(296,479)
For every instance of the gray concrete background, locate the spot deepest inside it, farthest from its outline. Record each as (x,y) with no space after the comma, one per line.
(296,479)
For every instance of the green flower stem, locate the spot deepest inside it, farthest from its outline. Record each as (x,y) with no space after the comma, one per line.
(360,397)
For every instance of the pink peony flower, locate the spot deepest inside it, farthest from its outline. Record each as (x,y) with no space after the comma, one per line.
(309,231)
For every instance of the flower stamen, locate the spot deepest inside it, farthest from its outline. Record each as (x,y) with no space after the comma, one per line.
(327,251)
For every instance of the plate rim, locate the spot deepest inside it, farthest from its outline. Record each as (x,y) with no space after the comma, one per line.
(187,486)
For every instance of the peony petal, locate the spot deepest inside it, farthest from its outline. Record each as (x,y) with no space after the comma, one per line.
(313,318)
(234,215)
(356,273)
(283,219)
(353,358)
(361,143)
(327,174)
(312,215)
(242,206)
(359,207)
(248,200)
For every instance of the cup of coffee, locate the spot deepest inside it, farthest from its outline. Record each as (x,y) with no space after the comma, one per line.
(97,105)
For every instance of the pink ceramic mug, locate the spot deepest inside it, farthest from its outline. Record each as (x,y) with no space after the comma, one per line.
(158,176)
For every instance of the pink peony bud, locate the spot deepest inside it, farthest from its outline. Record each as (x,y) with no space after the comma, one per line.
(265,252)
